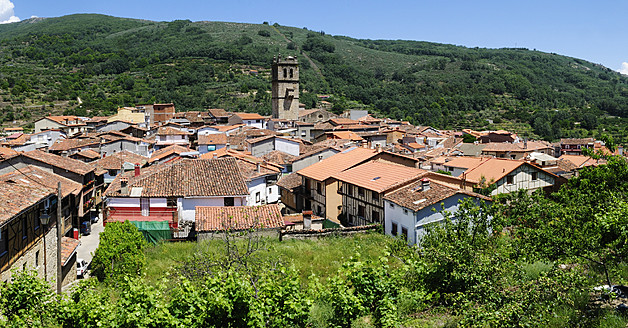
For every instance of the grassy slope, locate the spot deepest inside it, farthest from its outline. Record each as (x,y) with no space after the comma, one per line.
(321,257)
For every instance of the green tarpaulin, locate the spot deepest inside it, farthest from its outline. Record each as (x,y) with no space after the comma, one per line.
(154,231)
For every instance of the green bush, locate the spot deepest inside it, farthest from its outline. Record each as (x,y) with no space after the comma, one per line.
(120,252)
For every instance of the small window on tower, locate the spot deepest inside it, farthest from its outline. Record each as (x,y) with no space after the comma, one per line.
(291,73)
(285,72)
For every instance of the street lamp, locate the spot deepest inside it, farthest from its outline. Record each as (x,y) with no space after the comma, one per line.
(44,218)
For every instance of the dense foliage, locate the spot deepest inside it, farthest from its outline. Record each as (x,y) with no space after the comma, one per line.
(49,64)
(120,252)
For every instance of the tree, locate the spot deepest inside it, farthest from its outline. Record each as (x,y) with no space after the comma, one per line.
(120,252)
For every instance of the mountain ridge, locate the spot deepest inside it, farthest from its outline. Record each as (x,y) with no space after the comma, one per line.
(109,61)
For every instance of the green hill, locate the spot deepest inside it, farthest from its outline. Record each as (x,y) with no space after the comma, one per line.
(49,63)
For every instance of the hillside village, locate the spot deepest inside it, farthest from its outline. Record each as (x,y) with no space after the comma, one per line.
(296,174)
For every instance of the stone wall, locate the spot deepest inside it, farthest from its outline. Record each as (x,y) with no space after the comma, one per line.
(34,259)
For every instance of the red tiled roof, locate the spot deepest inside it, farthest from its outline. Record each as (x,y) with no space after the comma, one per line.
(337,163)
(167,151)
(35,177)
(218,112)
(65,163)
(6,153)
(88,153)
(169,131)
(279,157)
(379,176)
(15,198)
(249,116)
(218,218)
(68,247)
(67,144)
(115,160)
(290,181)
(186,178)
(414,198)
(212,139)
(516,147)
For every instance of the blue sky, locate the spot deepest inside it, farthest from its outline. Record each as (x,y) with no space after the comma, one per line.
(591,30)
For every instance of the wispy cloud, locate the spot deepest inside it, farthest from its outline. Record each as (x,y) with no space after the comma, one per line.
(624,68)
(7,15)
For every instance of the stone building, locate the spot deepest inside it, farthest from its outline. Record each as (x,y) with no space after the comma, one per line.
(285,88)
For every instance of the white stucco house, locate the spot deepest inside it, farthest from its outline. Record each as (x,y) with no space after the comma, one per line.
(409,210)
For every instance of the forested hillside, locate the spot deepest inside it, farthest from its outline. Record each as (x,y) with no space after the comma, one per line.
(106,62)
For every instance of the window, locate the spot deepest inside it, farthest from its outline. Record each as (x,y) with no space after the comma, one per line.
(375,216)
(360,191)
(285,72)
(394,230)
(391,205)
(404,232)
(228,201)
(171,202)
(451,169)
(510,179)
(349,190)
(535,175)
(112,173)
(375,196)
(319,210)
(351,219)
(320,158)
(319,188)
(360,211)
(37,259)
(257,197)
(291,73)
(513,156)
(405,211)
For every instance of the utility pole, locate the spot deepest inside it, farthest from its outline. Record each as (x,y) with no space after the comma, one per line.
(59,237)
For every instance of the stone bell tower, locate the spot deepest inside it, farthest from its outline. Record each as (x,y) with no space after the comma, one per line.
(285,88)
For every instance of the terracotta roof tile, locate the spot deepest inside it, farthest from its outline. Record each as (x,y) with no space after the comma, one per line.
(169,131)
(115,160)
(337,163)
(88,153)
(516,147)
(68,247)
(576,141)
(249,116)
(290,181)
(15,198)
(218,112)
(167,151)
(68,144)
(379,176)
(65,163)
(278,157)
(35,177)
(186,178)
(414,198)
(217,218)
(212,139)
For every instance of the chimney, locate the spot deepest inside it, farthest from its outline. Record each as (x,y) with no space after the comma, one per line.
(124,186)
(137,169)
(214,155)
(307,220)
(425,184)
(259,167)
(378,147)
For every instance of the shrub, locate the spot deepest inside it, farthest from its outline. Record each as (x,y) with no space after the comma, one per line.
(120,253)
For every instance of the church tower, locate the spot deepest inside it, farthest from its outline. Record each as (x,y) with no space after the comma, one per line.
(285,88)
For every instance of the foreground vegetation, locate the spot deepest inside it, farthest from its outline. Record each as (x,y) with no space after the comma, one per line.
(523,261)
(47,65)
